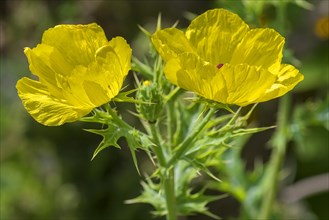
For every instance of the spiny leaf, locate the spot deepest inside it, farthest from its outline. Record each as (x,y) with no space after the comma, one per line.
(210,103)
(202,167)
(123,97)
(97,117)
(240,132)
(110,137)
(151,196)
(134,142)
(158,27)
(146,32)
(219,120)
(196,203)
(113,133)
(142,68)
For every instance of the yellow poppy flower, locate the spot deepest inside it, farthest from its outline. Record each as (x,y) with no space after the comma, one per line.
(77,68)
(220,58)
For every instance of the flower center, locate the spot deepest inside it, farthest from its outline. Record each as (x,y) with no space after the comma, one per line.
(220,65)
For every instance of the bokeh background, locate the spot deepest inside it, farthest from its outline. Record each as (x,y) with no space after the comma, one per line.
(46,172)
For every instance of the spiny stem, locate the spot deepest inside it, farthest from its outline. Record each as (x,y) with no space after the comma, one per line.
(170,125)
(157,147)
(169,187)
(167,175)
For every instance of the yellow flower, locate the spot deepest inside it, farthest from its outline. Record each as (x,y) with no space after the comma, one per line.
(220,58)
(77,68)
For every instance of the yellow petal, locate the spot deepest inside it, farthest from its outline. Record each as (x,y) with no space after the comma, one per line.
(231,84)
(260,47)
(45,108)
(103,78)
(192,73)
(287,79)
(245,84)
(215,35)
(98,83)
(49,65)
(73,87)
(170,42)
(77,43)
(96,93)
(113,64)
(123,51)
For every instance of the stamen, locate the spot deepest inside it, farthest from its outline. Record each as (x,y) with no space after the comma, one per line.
(220,65)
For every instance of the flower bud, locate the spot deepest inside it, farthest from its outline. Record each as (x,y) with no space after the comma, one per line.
(151,102)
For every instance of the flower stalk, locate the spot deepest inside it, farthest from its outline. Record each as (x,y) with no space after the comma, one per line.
(157,146)
(167,175)
(169,187)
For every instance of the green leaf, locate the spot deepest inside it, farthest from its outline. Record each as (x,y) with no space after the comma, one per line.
(202,167)
(246,131)
(110,137)
(142,68)
(113,133)
(212,104)
(117,128)
(151,195)
(146,32)
(136,140)
(123,97)
(304,4)
(191,203)
(97,117)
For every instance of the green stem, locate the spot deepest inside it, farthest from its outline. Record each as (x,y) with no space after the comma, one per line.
(190,138)
(157,69)
(157,147)
(278,154)
(170,126)
(169,188)
(173,94)
(167,175)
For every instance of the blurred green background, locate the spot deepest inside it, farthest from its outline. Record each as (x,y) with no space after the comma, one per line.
(46,172)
